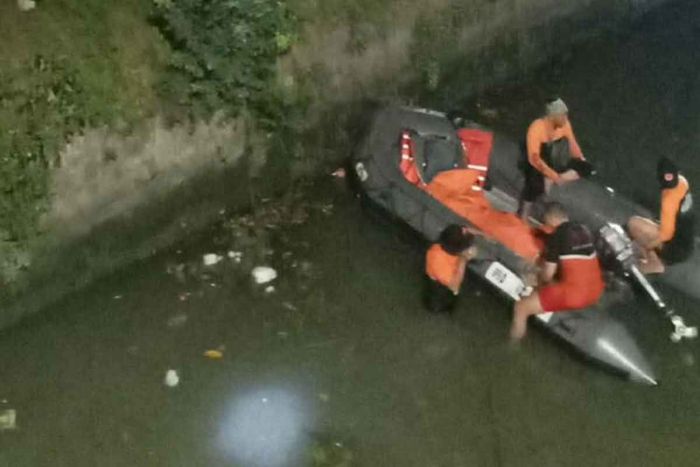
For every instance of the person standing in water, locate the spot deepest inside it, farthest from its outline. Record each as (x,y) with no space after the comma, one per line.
(672,240)
(553,154)
(570,255)
(445,267)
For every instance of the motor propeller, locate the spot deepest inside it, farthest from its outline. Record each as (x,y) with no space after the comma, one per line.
(620,248)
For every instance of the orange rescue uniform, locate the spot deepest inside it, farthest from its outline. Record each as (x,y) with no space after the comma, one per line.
(671,199)
(542,131)
(445,268)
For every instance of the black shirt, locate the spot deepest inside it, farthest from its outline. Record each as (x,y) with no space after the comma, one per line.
(572,240)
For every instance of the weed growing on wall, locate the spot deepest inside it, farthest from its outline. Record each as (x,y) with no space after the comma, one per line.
(224,52)
(41,105)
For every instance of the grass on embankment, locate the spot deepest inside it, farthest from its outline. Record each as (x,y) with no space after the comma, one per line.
(118,56)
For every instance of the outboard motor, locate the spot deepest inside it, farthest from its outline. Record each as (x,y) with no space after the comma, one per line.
(615,248)
(616,251)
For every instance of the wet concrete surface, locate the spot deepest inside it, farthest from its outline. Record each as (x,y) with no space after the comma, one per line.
(340,365)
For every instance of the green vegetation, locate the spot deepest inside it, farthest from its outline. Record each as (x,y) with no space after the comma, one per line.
(41,104)
(224,53)
(63,67)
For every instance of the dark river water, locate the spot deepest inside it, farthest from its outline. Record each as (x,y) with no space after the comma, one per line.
(340,365)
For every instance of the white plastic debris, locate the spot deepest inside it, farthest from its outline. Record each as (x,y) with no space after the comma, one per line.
(211,259)
(264,274)
(26,5)
(236,256)
(269,289)
(171,378)
(8,419)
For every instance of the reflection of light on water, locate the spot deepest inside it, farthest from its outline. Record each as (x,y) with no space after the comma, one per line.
(264,428)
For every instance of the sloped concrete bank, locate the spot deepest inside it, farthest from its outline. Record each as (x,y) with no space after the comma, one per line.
(117,198)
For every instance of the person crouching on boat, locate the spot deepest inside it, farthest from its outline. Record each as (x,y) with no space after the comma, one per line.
(553,155)
(569,254)
(673,240)
(445,266)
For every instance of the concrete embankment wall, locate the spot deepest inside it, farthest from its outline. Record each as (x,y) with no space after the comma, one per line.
(120,197)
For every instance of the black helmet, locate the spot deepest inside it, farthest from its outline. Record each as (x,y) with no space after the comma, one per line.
(667,173)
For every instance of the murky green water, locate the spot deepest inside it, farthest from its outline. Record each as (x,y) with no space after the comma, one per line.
(340,361)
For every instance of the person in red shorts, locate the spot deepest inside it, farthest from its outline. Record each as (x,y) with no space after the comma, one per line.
(571,256)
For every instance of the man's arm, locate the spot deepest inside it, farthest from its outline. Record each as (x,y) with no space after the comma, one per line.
(534,156)
(547,272)
(458,278)
(552,249)
(574,148)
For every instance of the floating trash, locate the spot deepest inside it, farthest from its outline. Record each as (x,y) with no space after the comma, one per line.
(339,173)
(117,297)
(263,274)
(211,259)
(8,419)
(214,354)
(236,256)
(172,379)
(26,5)
(270,289)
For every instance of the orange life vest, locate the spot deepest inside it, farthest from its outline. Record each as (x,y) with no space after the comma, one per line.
(443,267)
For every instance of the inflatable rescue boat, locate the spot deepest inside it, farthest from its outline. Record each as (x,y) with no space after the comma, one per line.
(421,169)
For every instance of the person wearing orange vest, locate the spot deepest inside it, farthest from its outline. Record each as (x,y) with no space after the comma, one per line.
(553,154)
(445,267)
(570,254)
(673,239)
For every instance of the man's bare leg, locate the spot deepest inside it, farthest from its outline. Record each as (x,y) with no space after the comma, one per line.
(522,310)
(645,232)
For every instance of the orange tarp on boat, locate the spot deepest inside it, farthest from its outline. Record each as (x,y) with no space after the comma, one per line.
(459,190)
